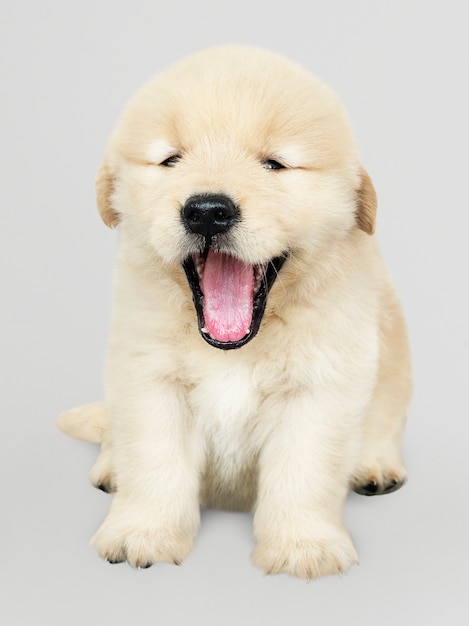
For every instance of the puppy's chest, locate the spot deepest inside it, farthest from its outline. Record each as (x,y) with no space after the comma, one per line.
(225,406)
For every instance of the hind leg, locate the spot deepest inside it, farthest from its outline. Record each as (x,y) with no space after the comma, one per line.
(90,422)
(102,474)
(380,468)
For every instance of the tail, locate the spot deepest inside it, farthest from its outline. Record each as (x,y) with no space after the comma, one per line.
(87,422)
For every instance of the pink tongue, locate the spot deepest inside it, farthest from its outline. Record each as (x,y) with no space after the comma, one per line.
(228,287)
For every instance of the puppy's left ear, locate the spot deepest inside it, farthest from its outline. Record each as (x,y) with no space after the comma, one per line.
(104,185)
(367,204)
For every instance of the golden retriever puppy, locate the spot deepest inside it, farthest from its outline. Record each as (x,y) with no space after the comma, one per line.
(258,357)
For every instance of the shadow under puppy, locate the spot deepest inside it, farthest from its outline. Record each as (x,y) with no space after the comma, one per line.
(258,357)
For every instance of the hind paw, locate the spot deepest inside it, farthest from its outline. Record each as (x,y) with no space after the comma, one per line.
(101,474)
(378,479)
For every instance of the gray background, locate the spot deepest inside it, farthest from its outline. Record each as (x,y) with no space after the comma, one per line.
(67,69)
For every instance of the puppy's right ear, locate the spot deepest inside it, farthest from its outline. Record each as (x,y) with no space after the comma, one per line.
(104,186)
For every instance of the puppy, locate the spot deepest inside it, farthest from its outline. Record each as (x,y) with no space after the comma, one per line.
(258,357)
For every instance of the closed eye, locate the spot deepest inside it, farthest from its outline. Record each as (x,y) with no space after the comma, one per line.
(171,161)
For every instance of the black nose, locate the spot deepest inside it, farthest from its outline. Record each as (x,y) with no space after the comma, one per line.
(209,215)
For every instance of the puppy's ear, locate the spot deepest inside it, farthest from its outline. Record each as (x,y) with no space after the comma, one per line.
(367,204)
(104,186)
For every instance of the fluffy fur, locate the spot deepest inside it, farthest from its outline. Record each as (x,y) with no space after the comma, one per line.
(312,405)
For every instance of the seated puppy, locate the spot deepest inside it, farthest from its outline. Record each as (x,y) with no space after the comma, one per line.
(258,357)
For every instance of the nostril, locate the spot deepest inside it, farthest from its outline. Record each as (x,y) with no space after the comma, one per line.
(209,215)
(193,216)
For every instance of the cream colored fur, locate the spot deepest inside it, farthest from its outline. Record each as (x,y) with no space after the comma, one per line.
(316,402)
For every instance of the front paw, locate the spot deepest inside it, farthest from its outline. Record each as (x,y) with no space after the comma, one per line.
(134,535)
(330,552)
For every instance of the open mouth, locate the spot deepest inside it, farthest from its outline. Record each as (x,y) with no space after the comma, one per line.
(229,295)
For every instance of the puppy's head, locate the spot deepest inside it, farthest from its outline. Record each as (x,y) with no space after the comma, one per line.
(226,166)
